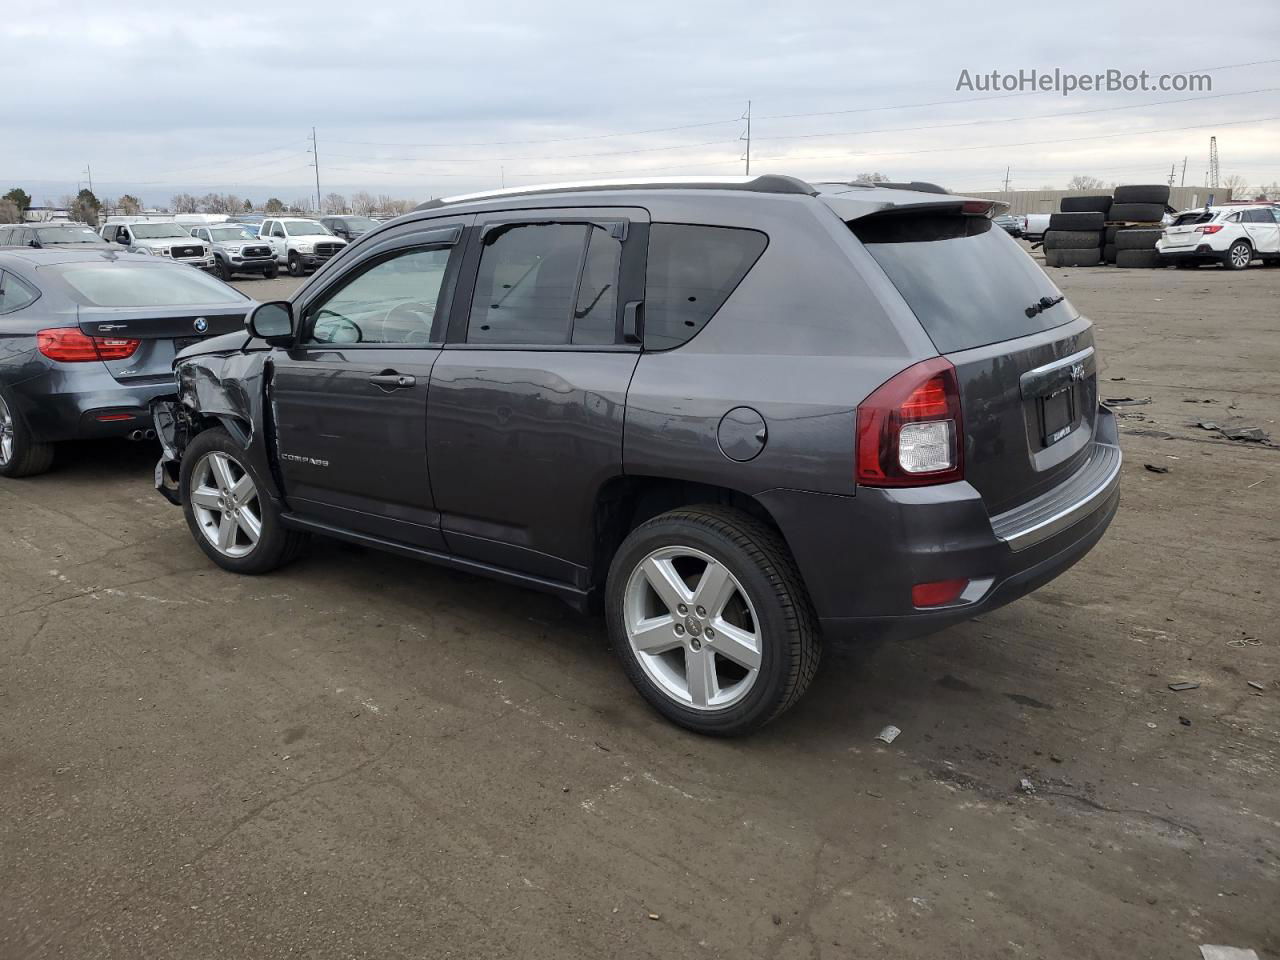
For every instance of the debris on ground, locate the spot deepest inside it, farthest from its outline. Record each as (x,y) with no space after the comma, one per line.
(1185,721)
(1244,641)
(1184,685)
(888,734)
(1026,786)
(1256,685)
(777,920)
(1117,378)
(654,916)
(1247,434)
(1126,401)
(1207,425)
(1209,951)
(1155,469)
(1197,400)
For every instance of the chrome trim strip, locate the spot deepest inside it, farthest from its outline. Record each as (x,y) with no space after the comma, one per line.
(1084,354)
(1005,526)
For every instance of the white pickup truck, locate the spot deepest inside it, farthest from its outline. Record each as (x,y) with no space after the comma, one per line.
(300,245)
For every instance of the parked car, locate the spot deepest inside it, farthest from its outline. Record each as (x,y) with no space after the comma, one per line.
(87,341)
(236,249)
(300,245)
(1233,236)
(736,430)
(42,235)
(348,227)
(160,238)
(1035,225)
(1014,226)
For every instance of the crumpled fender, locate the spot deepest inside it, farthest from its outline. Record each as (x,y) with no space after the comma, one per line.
(229,389)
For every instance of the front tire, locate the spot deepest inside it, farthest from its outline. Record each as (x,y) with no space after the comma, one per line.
(232,521)
(271,271)
(296,269)
(1238,256)
(20,454)
(222,270)
(711,621)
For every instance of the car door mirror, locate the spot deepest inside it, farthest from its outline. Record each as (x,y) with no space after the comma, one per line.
(273,322)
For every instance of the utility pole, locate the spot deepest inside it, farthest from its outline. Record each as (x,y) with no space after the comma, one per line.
(747,137)
(1006,178)
(1213,161)
(89,173)
(1173,173)
(315,156)
(1183,182)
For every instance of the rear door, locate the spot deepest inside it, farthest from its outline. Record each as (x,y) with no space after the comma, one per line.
(527,400)
(1023,354)
(1263,230)
(350,399)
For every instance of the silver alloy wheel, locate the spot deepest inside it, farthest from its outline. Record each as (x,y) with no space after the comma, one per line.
(6,433)
(1241,254)
(225,502)
(692,628)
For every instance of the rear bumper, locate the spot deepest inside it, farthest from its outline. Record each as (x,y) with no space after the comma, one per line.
(860,556)
(63,405)
(1199,252)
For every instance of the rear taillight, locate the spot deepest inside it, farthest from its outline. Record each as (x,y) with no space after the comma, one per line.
(1211,228)
(910,431)
(69,345)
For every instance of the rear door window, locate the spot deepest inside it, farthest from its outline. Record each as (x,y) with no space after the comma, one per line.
(967,281)
(14,293)
(691,271)
(546,284)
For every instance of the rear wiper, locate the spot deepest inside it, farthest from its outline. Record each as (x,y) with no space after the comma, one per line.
(1043,304)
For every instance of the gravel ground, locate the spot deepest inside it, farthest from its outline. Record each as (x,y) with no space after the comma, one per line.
(361,756)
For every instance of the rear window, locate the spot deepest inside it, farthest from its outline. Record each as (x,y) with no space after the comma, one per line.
(691,272)
(967,281)
(1187,219)
(144,285)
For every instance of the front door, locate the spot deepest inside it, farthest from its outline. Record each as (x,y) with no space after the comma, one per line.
(526,401)
(350,399)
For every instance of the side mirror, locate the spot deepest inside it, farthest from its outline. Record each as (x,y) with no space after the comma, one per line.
(272,322)
(120,238)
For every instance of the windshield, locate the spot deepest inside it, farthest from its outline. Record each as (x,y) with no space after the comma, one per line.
(145,285)
(157,231)
(968,284)
(359,224)
(305,228)
(229,234)
(67,235)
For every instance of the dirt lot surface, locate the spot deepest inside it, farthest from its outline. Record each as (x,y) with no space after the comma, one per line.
(361,756)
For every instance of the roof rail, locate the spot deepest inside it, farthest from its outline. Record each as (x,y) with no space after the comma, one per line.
(768,183)
(919,186)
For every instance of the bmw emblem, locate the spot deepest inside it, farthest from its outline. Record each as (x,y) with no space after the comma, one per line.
(201,325)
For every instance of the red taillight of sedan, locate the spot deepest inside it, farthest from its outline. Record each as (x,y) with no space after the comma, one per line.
(910,432)
(69,345)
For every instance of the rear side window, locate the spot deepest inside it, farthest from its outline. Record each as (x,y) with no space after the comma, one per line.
(14,294)
(546,284)
(1260,215)
(966,280)
(691,272)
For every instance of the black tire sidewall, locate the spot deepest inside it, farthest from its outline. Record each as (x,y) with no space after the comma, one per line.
(1229,260)
(761,702)
(273,546)
(30,456)
(295,265)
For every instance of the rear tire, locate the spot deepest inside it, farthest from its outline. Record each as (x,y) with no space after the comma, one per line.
(21,455)
(1077,221)
(1073,258)
(296,269)
(1238,256)
(1072,239)
(231,519)
(1138,238)
(766,646)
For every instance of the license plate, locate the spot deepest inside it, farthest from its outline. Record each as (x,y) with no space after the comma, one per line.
(1057,415)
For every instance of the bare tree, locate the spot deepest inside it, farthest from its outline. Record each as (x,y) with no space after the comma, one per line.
(335,203)
(184,203)
(301,205)
(1047,186)
(362,203)
(9,212)
(1082,182)
(1238,186)
(872,178)
(273,206)
(129,204)
(1269,191)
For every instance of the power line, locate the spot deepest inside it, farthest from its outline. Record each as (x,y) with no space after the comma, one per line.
(565,156)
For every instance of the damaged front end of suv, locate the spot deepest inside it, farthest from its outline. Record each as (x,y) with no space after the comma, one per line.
(221,382)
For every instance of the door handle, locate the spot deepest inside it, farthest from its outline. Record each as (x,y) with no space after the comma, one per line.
(392,380)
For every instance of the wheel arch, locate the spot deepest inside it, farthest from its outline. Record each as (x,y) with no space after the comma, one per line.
(624,502)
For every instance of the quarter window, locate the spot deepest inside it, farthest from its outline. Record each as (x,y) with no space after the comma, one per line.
(393,302)
(14,294)
(691,272)
(546,284)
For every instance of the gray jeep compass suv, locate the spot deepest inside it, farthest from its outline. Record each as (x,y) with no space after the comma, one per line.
(741,416)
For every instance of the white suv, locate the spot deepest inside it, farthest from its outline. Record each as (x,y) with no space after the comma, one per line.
(1233,235)
(298,244)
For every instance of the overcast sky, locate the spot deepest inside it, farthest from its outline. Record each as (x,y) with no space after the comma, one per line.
(417,99)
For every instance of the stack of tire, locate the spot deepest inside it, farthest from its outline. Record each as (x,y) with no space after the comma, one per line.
(1076,233)
(1134,224)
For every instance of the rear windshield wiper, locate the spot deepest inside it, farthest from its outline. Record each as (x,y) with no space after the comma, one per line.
(1043,304)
